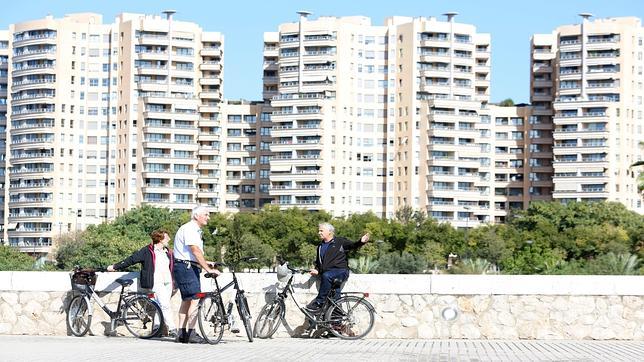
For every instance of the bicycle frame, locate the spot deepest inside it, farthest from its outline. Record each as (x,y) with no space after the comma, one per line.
(315,320)
(218,292)
(114,315)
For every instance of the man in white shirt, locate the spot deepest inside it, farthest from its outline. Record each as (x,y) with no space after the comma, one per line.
(188,261)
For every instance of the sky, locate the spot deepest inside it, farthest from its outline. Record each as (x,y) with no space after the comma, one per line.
(510,23)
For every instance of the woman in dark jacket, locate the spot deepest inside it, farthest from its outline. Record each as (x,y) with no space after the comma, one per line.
(156,273)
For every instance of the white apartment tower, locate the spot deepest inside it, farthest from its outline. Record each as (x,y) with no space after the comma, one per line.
(373,118)
(61,104)
(441,75)
(4,88)
(328,83)
(246,150)
(168,131)
(587,82)
(106,117)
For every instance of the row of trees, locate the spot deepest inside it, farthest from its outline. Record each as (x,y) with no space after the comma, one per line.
(547,238)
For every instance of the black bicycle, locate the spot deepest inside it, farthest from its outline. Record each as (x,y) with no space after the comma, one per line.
(140,314)
(213,317)
(350,316)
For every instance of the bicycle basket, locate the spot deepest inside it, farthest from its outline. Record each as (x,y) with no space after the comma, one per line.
(82,280)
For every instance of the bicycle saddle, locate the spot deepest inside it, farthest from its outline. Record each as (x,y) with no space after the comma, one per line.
(336,282)
(124,282)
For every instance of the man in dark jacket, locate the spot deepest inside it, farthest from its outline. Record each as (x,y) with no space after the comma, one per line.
(156,273)
(331,262)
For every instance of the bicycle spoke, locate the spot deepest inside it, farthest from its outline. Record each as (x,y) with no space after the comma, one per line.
(142,317)
(211,320)
(351,318)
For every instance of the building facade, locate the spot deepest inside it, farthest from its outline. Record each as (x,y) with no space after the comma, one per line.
(99,118)
(106,117)
(592,75)
(373,114)
(246,147)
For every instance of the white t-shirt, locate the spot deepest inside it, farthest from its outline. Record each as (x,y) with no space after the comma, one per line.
(188,234)
(161,268)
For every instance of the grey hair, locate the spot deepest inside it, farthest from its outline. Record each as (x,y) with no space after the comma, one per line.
(200,210)
(327,226)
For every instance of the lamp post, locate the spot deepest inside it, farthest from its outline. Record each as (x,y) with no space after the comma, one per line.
(467,221)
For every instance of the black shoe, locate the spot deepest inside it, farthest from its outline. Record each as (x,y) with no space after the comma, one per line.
(195,338)
(313,307)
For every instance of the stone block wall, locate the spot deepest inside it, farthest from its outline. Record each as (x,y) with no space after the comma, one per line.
(407,306)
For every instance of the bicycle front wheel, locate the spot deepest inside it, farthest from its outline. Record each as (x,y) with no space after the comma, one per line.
(244,313)
(268,319)
(350,317)
(211,319)
(78,317)
(142,317)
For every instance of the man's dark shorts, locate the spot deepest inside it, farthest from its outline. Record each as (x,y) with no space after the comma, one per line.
(187,279)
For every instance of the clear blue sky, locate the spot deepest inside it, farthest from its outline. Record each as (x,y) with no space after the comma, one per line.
(510,23)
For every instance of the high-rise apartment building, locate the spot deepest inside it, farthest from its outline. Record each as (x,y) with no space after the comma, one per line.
(587,81)
(373,118)
(106,117)
(167,133)
(246,146)
(101,118)
(328,83)
(4,88)
(60,107)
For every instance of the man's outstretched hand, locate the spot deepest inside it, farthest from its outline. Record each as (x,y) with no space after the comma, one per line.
(364,238)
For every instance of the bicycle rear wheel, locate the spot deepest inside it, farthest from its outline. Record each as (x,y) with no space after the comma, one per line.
(244,313)
(78,317)
(350,317)
(142,317)
(268,319)
(211,319)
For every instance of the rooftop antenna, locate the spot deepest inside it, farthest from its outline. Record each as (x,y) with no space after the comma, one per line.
(586,16)
(450,15)
(169,13)
(304,14)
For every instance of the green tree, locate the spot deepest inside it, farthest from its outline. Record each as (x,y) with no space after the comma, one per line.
(508,102)
(11,259)
(401,263)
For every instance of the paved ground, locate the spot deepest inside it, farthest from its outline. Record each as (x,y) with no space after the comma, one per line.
(93,348)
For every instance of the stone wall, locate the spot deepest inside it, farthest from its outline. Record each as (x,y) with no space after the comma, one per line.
(407,306)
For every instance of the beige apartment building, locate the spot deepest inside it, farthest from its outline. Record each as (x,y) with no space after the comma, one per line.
(168,128)
(587,81)
(99,118)
(106,117)
(4,95)
(328,84)
(373,118)
(246,147)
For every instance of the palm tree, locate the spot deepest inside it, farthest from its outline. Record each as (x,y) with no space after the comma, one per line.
(622,264)
(475,266)
(363,265)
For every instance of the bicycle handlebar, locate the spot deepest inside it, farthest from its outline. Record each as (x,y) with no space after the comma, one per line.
(244,259)
(79,269)
(295,270)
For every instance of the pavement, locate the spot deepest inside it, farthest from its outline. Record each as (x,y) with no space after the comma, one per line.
(236,348)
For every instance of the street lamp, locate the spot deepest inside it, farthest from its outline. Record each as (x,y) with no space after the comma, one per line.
(467,221)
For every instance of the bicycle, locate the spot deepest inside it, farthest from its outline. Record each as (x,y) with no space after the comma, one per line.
(140,314)
(350,316)
(212,315)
